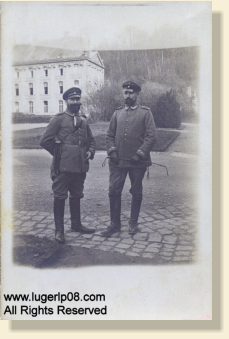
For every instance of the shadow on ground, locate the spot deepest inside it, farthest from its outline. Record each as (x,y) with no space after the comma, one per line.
(43,253)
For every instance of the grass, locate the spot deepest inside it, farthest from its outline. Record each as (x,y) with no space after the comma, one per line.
(29,139)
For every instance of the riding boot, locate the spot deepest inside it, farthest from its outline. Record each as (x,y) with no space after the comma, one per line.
(76,225)
(59,219)
(134,214)
(115,215)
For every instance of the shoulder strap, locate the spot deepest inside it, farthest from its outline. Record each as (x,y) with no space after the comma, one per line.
(144,107)
(120,107)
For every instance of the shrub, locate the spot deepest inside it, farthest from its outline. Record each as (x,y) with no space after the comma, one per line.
(102,103)
(21,118)
(167,111)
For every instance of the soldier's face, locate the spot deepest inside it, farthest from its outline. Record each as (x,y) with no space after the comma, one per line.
(130,97)
(73,104)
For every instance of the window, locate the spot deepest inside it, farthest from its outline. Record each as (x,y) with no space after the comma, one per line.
(46,72)
(17,107)
(31,107)
(61,86)
(17,89)
(17,75)
(31,74)
(76,82)
(61,71)
(45,88)
(31,89)
(45,106)
(60,106)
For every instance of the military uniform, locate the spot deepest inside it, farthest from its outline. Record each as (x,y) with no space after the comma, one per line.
(75,142)
(71,135)
(131,132)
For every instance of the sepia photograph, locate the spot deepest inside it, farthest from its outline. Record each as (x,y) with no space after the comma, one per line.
(106,147)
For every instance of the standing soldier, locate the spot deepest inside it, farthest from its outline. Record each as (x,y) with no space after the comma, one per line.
(129,139)
(68,138)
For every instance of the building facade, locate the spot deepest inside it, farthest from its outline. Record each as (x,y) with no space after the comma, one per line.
(42,75)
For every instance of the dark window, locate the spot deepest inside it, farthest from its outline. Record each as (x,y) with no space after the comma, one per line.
(31,74)
(76,82)
(17,89)
(18,75)
(45,88)
(31,89)
(61,71)
(61,86)
(46,72)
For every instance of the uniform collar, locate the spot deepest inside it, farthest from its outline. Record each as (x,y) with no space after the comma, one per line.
(131,107)
(72,114)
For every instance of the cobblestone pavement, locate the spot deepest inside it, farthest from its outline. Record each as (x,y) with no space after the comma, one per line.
(167,233)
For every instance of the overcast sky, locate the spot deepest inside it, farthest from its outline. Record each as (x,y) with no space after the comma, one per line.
(113,25)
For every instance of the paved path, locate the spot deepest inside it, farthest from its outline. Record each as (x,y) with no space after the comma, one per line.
(165,233)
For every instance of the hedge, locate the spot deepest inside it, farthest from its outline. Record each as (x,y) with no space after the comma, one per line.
(21,118)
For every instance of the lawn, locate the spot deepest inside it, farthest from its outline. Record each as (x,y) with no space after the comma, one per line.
(30,138)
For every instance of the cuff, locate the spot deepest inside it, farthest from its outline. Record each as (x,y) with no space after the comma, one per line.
(92,153)
(141,154)
(111,150)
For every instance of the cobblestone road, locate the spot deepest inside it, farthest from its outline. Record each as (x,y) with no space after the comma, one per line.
(166,233)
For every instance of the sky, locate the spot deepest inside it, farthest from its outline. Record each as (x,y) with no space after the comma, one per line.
(109,25)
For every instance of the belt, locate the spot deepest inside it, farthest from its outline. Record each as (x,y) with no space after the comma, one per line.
(79,143)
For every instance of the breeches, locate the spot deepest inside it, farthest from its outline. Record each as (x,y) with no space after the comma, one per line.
(68,182)
(118,177)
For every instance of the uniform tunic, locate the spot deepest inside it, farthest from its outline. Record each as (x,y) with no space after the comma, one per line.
(132,130)
(75,142)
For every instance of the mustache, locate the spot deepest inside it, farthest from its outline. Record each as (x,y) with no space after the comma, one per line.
(128,100)
(76,105)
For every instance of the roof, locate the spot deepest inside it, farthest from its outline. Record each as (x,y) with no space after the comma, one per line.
(30,55)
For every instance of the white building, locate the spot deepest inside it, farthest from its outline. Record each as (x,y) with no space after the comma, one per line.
(42,74)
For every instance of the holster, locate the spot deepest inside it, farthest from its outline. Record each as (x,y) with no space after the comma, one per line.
(57,155)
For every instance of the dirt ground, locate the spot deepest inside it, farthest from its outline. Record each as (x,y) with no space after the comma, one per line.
(32,192)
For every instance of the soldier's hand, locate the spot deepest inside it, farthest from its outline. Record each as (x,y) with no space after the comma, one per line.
(114,158)
(88,155)
(135,159)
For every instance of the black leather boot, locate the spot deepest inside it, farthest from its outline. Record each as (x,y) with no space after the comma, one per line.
(133,227)
(76,225)
(134,214)
(115,214)
(59,220)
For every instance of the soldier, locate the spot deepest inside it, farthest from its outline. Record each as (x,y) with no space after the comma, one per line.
(129,139)
(68,138)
